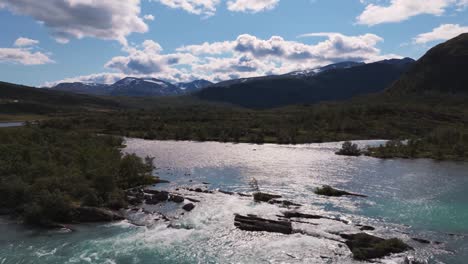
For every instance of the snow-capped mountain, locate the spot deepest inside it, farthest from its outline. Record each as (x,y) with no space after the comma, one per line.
(131,86)
(143,87)
(315,71)
(193,86)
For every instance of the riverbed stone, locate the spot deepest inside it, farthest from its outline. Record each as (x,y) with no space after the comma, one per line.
(188,207)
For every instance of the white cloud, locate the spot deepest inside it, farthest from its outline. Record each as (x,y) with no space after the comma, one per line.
(149,17)
(68,19)
(251,6)
(198,7)
(443,32)
(24,42)
(400,10)
(246,56)
(148,60)
(23,56)
(105,78)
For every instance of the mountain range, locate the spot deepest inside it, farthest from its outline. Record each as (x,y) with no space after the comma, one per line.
(134,87)
(330,83)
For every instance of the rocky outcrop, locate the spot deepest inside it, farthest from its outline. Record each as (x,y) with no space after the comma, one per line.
(327,190)
(93,214)
(254,223)
(311,216)
(156,196)
(176,198)
(367,247)
(265,197)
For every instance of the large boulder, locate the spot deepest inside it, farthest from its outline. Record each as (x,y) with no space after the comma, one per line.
(93,214)
(265,197)
(253,223)
(188,207)
(157,197)
(367,247)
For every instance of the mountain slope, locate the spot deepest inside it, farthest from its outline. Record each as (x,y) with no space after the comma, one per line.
(189,87)
(84,88)
(134,87)
(23,99)
(143,87)
(333,84)
(443,69)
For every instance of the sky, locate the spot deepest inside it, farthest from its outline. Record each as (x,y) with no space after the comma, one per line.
(46,42)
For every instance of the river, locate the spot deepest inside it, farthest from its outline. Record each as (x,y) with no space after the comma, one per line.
(407,199)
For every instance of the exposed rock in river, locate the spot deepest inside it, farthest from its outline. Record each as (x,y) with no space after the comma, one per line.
(327,190)
(367,247)
(253,223)
(188,207)
(265,197)
(93,214)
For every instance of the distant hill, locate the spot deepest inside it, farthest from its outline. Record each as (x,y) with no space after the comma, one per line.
(23,99)
(443,69)
(134,87)
(334,82)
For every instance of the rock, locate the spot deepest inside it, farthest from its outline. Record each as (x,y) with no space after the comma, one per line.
(176,199)
(367,247)
(253,223)
(366,228)
(188,207)
(133,200)
(265,197)
(301,215)
(199,190)
(93,214)
(284,203)
(420,240)
(327,190)
(192,200)
(157,197)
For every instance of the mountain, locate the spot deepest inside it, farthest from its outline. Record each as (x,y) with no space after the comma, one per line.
(135,87)
(84,88)
(334,83)
(336,66)
(16,99)
(139,87)
(189,87)
(443,69)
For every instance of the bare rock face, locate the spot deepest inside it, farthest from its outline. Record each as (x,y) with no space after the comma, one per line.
(253,223)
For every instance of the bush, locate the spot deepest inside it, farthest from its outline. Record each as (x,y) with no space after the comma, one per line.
(349,149)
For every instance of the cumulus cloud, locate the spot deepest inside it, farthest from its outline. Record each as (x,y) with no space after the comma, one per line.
(104,78)
(251,6)
(24,42)
(68,19)
(23,56)
(336,47)
(198,7)
(246,56)
(148,60)
(443,32)
(400,10)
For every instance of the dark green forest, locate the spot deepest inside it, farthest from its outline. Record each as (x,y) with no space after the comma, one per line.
(45,174)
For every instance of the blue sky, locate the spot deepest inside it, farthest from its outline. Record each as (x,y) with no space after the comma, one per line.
(44,42)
